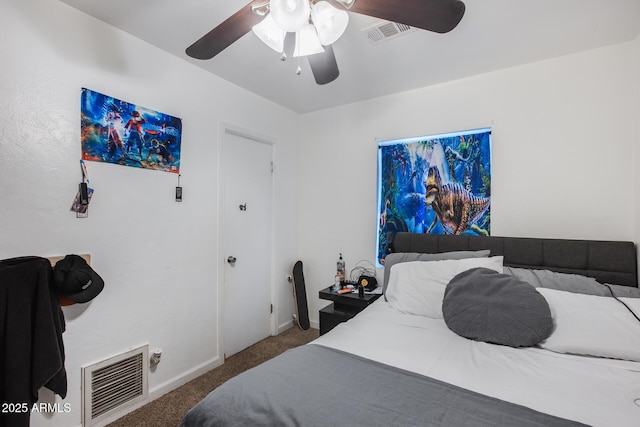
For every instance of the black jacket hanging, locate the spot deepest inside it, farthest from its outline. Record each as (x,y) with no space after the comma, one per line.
(31,327)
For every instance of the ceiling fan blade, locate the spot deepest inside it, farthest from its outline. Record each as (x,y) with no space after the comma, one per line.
(440,16)
(324,66)
(225,34)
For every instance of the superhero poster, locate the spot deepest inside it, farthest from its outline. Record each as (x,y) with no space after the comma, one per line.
(437,184)
(116,131)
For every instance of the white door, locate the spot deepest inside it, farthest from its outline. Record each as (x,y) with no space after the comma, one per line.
(246,231)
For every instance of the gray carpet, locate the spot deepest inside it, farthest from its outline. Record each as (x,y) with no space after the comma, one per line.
(167,410)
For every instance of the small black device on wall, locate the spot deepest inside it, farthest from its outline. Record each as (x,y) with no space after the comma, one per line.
(84,194)
(178,191)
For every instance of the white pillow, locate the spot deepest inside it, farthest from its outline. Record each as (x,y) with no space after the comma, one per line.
(593,325)
(418,287)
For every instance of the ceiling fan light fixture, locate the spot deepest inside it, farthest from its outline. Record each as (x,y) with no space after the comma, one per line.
(329,21)
(270,33)
(290,15)
(307,42)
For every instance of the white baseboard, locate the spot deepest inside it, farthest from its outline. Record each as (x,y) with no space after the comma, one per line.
(285,326)
(183,378)
(167,386)
(288,325)
(177,381)
(203,368)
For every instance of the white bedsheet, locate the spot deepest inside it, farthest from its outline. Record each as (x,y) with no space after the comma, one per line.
(599,392)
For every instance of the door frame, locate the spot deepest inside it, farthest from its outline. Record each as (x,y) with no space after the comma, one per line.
(224,129)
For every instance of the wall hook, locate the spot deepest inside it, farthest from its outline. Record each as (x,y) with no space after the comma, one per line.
(243,207)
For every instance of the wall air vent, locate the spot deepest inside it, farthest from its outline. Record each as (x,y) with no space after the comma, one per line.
(114,385)
(385,30)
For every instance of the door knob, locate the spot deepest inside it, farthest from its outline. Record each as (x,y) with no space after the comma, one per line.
(231,260)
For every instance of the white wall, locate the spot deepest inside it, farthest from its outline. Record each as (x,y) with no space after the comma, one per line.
(635,53)
(564,131)
(159,258)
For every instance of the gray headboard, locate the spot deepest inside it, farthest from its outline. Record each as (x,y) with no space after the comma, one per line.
(606,261)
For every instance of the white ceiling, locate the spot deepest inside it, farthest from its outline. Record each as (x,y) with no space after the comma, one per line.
(493,34)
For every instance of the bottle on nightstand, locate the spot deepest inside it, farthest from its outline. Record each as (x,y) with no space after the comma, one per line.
(336,285)
(340,268)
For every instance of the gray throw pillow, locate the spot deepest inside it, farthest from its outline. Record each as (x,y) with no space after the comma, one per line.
(483,305)
(397,257)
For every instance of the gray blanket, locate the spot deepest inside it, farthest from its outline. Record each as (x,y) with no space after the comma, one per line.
(314,385)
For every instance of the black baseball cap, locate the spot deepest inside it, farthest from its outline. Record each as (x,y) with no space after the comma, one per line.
(76,280)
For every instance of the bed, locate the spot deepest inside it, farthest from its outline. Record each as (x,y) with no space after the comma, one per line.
(399,362)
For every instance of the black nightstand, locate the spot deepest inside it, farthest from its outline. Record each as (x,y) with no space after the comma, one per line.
(343,308)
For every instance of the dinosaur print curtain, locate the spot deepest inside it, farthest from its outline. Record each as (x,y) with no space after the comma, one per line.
(438,184)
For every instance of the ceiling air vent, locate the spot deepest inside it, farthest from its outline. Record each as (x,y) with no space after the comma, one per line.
(386,30)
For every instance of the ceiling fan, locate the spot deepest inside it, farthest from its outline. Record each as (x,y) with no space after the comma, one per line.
(440,16)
